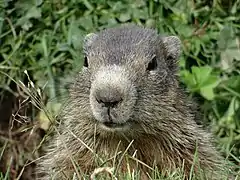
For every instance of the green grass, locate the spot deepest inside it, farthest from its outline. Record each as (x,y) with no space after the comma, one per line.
(45,38)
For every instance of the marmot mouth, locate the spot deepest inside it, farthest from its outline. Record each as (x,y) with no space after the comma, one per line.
(114,125)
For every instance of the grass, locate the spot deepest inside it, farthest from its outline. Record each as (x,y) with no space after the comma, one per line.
(45,38)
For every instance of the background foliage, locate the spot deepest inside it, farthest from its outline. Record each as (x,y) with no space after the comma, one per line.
(45,38)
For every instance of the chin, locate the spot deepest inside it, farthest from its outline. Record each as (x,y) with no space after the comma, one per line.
(115,127)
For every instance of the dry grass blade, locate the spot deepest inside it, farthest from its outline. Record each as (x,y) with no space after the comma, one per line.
(108,170)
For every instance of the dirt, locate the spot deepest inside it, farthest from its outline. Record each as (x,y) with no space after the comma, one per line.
(20,136)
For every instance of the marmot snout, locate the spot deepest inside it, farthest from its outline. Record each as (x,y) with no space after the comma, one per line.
(112,97)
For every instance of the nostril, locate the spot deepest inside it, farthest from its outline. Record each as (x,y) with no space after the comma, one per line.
(115,103)
(98,100)
(108,103)
(111,104)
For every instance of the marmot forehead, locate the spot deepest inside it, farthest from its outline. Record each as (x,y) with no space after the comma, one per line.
(127,34)
(124,42)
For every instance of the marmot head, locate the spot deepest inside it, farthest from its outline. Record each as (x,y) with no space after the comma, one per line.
(131,77)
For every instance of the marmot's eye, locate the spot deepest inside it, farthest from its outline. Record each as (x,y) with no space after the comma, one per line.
(85,63)
(152,65)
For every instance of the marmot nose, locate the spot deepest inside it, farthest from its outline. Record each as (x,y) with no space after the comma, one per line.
(109,104)
(108,100)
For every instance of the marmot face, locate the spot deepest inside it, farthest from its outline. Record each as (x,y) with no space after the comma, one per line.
(128,70)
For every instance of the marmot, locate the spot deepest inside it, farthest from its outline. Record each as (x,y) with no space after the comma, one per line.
(128,91)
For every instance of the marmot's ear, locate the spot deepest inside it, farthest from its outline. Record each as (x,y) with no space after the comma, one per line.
(172,46)
(88,40)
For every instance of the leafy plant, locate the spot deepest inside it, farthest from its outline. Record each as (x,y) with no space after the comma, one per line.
(201,81)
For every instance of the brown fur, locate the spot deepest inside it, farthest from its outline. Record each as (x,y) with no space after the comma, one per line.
(160,121)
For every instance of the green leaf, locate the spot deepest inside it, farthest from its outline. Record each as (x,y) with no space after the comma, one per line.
(86,22)
(225,36)
(104,18)
(140,13)
(124,17)
(188,79)
(34,12)
(233,54)
(234,105)
(75,36)
(211,81)
(207,92)
(201,73)
(201,80)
